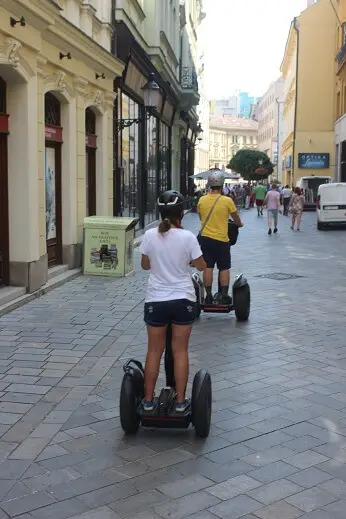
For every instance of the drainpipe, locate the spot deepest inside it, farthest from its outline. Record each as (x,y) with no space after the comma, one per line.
(296,27)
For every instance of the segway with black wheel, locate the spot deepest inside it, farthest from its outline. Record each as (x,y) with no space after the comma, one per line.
(164,415)
(131,395)
(239,303)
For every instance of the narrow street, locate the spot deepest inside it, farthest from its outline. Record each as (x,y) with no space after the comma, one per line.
(277,448)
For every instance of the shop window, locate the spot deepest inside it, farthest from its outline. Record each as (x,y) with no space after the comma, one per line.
(130,160)
(164,157)
(151,186)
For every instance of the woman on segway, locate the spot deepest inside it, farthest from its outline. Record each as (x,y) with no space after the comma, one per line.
(167,252)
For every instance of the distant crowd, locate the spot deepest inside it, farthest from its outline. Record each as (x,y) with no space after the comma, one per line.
(246,196)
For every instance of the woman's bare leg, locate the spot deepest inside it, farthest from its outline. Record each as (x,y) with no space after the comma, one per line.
(156,346)
(180,342)
(293,220)
(299,219)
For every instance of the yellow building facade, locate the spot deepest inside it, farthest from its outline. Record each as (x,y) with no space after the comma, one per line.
(56,135)
(309,93)
(228,135)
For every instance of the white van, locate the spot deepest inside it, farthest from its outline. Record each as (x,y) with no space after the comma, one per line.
(309,187)
(331,204)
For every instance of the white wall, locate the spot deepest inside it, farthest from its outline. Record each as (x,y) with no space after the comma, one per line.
(87,17)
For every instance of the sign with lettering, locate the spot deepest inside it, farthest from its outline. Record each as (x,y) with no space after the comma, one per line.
(90,140)
(313,160)
(53,133)
(3,123)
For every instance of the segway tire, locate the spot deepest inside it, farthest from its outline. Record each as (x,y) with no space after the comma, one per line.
(201,403)
(242,302)
(129,402)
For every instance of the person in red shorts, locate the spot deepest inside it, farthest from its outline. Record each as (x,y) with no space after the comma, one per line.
(260,194)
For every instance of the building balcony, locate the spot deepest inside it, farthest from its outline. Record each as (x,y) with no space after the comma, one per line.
(189,84)
(341,57)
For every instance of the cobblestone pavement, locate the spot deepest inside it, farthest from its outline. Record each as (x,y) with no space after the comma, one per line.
(277,448)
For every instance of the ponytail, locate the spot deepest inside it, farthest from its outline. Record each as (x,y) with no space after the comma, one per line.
(167,223)
(164,226)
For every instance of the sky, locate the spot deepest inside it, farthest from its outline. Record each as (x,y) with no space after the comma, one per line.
(244,42)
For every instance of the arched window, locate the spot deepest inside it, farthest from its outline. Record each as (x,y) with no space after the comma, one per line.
(52,110)
(90,121)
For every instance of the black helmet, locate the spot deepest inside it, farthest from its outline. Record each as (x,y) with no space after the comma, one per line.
(171,202)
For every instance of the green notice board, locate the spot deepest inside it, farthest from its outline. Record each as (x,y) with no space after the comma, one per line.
(108,245)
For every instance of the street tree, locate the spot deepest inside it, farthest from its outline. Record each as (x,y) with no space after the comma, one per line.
(251,164)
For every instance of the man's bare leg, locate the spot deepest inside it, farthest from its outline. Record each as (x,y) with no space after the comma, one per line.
(208,284)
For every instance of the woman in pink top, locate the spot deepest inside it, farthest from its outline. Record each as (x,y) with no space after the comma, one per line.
(272,202)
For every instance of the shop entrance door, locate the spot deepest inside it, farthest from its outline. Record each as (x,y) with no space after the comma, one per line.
(53,143)
(4,221)
(4,241)
(90,166)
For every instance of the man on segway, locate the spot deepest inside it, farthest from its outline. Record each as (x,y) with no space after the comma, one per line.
(214,211)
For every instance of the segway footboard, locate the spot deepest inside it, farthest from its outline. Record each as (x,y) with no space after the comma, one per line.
(164,415)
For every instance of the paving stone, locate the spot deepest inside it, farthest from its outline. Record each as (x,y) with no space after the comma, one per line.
(125,508)
(109,494)
(186,506)
(50,479)
(236,507)
(100,513)
(335,486)
(267,456)
(278,510)
(166,459)
(185,486)
(306,459)
(311,499)
(13,469)
(336,510)
(27,503)
(275,491)
(29,449)
(61,510)
(233,487)
(27,388)
(310,477)
(273,472)
(9,418)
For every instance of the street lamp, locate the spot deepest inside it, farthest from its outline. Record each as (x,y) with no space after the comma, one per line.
(199,131)
(151,98)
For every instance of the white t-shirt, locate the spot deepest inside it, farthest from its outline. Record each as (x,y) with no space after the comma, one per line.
(170,255)
(286,192)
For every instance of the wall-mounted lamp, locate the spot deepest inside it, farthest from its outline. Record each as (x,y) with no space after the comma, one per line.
(100,76)
(13,22)
(151,95)
(199,131)
(67,55)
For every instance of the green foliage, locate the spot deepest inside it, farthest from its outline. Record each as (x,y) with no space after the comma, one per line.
(245,162)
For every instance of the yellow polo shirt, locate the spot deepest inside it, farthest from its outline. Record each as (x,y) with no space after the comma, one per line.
(217,226)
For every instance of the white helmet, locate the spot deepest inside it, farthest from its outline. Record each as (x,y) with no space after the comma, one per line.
(216,179)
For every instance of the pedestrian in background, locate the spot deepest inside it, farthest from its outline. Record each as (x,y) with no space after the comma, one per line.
(272,202)
(260,192)
(297,207)
(286,198)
